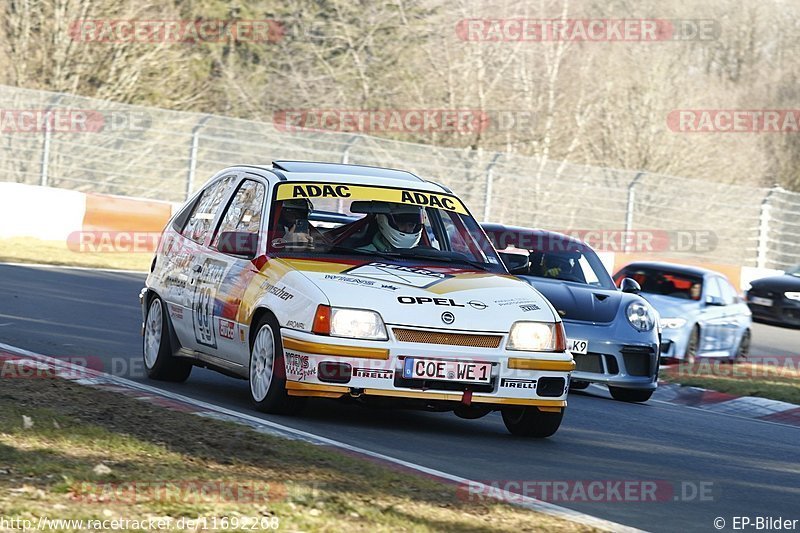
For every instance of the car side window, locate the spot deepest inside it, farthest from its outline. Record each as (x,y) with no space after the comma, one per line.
(245,210)
(712,288)
(729,295)
(205,210)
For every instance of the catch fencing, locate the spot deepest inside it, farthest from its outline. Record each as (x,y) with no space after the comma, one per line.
(166,155)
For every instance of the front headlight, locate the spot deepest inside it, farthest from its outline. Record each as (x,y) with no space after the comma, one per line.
(537,337)
(793,296)
(641,316)
(357,324)
(673,323)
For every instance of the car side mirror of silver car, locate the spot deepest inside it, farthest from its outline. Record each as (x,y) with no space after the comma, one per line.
(630,285)
(714,300)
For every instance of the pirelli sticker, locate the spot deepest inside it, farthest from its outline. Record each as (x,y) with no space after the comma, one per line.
(288,191)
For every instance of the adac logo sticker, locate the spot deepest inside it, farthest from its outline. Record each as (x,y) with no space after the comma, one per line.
(404,275)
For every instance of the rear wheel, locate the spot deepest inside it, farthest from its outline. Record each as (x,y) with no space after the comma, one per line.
(630,395)
(268,371)
(159,363)
(528,421)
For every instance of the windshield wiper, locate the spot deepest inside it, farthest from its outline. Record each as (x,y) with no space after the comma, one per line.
(356,251)
(448,259)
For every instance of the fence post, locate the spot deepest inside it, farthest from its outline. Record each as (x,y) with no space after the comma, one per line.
(764,218)
(629,210)
(45,151)
(193,154)
(487,206)
(345,160)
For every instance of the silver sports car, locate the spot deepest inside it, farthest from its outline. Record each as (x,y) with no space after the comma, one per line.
(612,334)
(701,313)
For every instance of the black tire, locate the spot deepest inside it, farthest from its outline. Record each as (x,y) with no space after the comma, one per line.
(159,363)
(743,351)
(692,346)
(630,395)
(577,384)
(528,421)
(270,397)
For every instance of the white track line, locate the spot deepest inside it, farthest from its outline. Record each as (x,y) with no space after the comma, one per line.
(515,499)
(65,267)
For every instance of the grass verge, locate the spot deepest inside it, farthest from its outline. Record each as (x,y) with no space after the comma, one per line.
(29,250)
(776,380)
(154,461)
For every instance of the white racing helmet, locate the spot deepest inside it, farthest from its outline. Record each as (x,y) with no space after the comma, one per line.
(402,226)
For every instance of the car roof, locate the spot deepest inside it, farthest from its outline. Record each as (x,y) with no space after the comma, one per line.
(529,234)
(304,171)
(673,267)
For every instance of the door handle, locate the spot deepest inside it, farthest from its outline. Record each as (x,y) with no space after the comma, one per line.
(197,268)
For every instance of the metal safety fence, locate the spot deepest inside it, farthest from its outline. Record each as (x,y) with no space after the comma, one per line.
(67,141)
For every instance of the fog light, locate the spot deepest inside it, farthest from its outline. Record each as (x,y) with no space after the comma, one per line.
(551,387)
(334,372)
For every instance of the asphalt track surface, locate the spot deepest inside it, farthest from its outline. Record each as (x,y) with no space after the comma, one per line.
(747,467)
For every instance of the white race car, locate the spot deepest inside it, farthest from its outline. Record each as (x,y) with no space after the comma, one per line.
(326,280)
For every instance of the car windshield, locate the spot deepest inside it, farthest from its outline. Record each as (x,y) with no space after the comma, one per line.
(794,271)
(310,220)
(557,257)
(665,282)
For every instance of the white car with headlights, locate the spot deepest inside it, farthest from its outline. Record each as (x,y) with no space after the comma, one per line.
(331,281)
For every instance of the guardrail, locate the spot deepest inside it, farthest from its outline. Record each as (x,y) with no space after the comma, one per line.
(110,148)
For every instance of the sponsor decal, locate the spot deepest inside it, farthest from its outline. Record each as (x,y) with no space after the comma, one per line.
(476,304)
(361,282)
(298,366)
(176,311)
(226,328)
(448,317)
(204,298)
(375,373)
(404,275)
(529,307)
(280,292)
(296,325)
(514,383)
(514,301)
(420,300)
(447,202)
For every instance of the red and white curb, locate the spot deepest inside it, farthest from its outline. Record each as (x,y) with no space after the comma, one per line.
(728,404)
(11,355)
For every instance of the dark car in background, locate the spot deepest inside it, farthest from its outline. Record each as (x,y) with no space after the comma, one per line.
(776,299)
(701,313)
(613,334)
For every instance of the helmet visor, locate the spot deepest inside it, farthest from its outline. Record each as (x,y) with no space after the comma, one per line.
(406,222)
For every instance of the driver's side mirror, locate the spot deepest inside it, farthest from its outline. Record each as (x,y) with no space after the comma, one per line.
(630,285)
(239,243)
(714,300)
(516,263)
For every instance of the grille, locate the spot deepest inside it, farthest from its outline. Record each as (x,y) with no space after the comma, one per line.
(638,361)
(452,339)
(588,363)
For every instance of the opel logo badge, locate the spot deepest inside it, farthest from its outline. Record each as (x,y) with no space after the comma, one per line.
(475,304)
(448,317)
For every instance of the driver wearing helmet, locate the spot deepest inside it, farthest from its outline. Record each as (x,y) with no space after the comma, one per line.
(400,228)
(293,227)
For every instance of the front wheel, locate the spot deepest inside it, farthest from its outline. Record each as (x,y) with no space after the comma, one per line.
(744,348)
(268,371)
(630,395)
(693,346)
(528,421)
(159,363)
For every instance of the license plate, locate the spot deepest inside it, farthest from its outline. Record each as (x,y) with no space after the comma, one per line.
(447,370)
(578,346)
(766,302)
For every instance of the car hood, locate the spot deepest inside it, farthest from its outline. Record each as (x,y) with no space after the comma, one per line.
(783,282)
(579,302)
(670,307)
(418,295)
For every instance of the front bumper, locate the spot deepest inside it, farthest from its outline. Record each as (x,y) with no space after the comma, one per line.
(375,369)
(616,356)
(782,310)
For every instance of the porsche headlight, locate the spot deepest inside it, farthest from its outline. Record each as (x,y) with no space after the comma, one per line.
(793,296)
(641,316)
(673,323)
(536,337)
(357,324)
